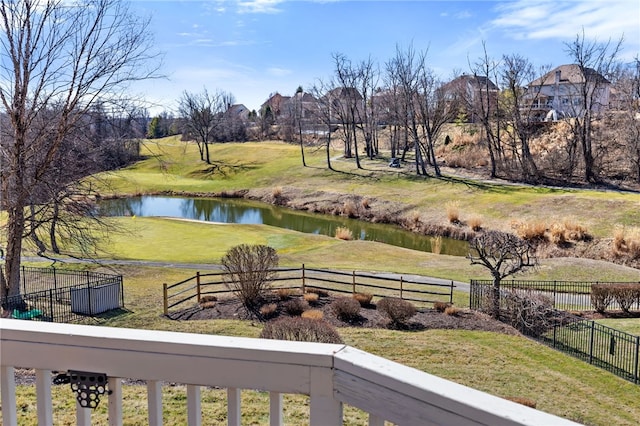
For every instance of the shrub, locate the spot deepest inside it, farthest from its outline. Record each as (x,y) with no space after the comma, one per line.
(311,297)
(295,307)
(208,298)
(346,308)
(399,311)
(575,231)
(269,310)
(301,330)
(249,271)
(475,222)
(453,211)
(207,305)
(601,297)
(350,209)
(625,294)
(314,314)
(365,203)
(531,231)
(532,314)
(364,299)
(441,306)
(627,241)
(452,311)
(557,234)
(343,233)
(285,293)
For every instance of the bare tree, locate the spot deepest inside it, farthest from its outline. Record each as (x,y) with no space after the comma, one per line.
(203,115)
(324,108)
(59,59)
(482,100)
(406,67)
(517,103)
(595,62)
(502,254)
(628,122)
(434,111)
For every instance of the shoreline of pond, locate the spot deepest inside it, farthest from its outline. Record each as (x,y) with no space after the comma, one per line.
(350,206)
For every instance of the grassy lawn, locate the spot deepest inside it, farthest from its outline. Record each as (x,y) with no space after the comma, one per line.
(499,364)
(175,166)
(628,325)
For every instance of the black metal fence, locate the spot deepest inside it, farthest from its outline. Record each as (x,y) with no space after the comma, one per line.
(565,295)
(539,317)
(190,290)
(54,295)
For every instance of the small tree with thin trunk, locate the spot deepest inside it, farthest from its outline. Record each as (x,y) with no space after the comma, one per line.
(250,269)
(502,254)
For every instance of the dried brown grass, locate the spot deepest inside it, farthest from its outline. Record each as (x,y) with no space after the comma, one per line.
(363,298)
(626,241)
(314,314)
(311,297)
(534,230)
(343,233)
(453,211)
(350,209)
(475,222)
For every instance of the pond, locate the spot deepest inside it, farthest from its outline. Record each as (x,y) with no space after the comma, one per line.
(227,210)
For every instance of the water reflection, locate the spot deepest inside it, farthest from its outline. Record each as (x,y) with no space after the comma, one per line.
(227,210)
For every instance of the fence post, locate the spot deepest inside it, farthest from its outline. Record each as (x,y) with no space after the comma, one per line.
(89,297)
(121,291)
(165,302)
(51,305)
(451,293)
(55,278)
(401,282)
(198,285)
(303,279)
(353,282)
(636,378)
(24,281)
(87,275)
(593,329)
(554,294)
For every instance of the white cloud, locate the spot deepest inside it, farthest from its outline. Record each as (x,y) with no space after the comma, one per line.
(544,19)
(259,6)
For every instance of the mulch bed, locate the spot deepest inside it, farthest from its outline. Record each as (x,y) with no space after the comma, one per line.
(369,317)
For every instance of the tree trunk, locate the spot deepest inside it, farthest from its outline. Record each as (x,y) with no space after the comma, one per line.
(304,164)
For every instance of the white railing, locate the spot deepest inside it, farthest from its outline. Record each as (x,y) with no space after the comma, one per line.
(332,375)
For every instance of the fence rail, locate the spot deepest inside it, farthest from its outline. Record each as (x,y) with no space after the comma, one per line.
(422,291)
(54,295)
(613,350)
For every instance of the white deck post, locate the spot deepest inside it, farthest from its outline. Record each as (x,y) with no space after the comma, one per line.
(194,405)
(233,407)
(115,401)
(275,409)
(324,408)
(43,396)
(8,389)
(154,402)
(83,415)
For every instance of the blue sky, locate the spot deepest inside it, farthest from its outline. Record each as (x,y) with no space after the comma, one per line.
(254,48)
